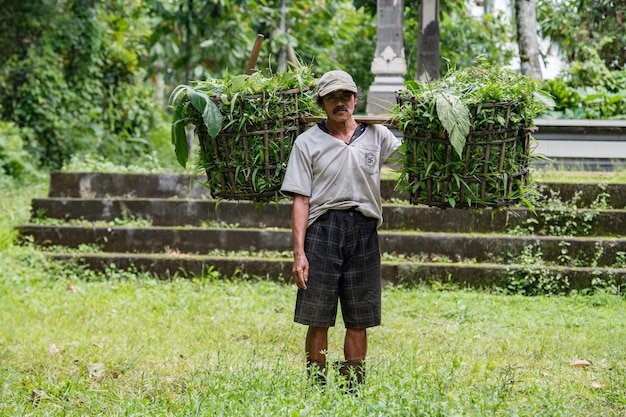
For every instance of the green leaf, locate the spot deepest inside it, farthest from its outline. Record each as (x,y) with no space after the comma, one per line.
(179,137)
(238,82)
(455,118)
(212,119)
(211,114)
(198,99)
(177,95)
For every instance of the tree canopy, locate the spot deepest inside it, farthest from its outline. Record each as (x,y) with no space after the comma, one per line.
(92,76)
(575,25)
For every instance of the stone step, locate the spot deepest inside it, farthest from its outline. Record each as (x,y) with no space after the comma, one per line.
(188,212)
(457,247)
(98,185)
(108,184)
(468,247)
(399,273)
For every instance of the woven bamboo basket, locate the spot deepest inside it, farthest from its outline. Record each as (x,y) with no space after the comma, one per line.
(248,161)
(492,171)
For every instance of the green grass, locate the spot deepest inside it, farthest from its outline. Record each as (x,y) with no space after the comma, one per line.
(556,174)
(15,206)
(77,343)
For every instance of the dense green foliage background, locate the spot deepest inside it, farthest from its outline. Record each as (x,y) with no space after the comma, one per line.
(85,77)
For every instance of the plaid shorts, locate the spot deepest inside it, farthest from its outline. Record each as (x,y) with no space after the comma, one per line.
(344,264)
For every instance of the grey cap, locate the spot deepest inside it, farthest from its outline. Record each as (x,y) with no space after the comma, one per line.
(335,80)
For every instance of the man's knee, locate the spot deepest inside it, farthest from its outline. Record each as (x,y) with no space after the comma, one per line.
(315,330)
(357,332)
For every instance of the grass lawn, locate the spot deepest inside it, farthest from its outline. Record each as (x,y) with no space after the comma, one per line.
(76,343)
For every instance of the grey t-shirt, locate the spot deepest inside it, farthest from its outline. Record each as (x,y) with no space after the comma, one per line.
(338,176)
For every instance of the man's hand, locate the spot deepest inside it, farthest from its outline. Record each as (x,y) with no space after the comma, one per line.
(299,219)
(300,271)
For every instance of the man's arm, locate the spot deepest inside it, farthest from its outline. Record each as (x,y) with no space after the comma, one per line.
(299,220)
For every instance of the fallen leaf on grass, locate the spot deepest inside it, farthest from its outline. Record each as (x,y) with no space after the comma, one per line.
(581,363)
(53,350)
(38,395)
(96,370)
(596,385)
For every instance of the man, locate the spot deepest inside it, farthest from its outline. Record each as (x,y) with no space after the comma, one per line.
(334,176)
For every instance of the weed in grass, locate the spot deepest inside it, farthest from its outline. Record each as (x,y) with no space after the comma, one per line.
(529,276)
(219,225)
(557,218)
(620,260)
(129,221)
(257,254)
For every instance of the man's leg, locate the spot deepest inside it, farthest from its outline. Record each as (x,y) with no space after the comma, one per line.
(316,348)
(355,352)
(355,345)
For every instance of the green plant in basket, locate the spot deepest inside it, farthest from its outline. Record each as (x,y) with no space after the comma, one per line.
(246,125)
(467,137)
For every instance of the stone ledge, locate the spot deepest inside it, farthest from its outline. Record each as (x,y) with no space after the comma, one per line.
(467,275)
(167,212)
(581,140)
(454,246)
(91,185)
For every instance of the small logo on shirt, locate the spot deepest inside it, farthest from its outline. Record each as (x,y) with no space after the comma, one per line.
(370,159)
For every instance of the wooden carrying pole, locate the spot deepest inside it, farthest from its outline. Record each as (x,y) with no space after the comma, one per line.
(255,53)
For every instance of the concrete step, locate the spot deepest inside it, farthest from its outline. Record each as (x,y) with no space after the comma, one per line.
(457,247)
(399,273)
(469,247)
(106,184)
(97,185)
(189,212)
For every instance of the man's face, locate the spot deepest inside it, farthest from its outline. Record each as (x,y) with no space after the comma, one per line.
(339,105)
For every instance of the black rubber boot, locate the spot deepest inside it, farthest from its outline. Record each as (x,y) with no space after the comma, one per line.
(354,374)
(316,372)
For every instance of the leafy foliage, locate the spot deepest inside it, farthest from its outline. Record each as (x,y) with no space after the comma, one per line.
(324,35)
(533,278)
(88,76)
(14,160)
(246,125)
(587,89)
(490,104)
(191,39)
(472,86)
(195,40)
(76,82)
(573,25)
(465,37)
(555,217)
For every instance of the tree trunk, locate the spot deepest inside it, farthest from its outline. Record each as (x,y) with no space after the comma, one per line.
(527,38)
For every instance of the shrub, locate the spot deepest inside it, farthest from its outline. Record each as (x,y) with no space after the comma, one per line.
(15,161)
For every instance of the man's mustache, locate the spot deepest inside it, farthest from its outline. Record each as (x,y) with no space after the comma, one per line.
(340,108)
